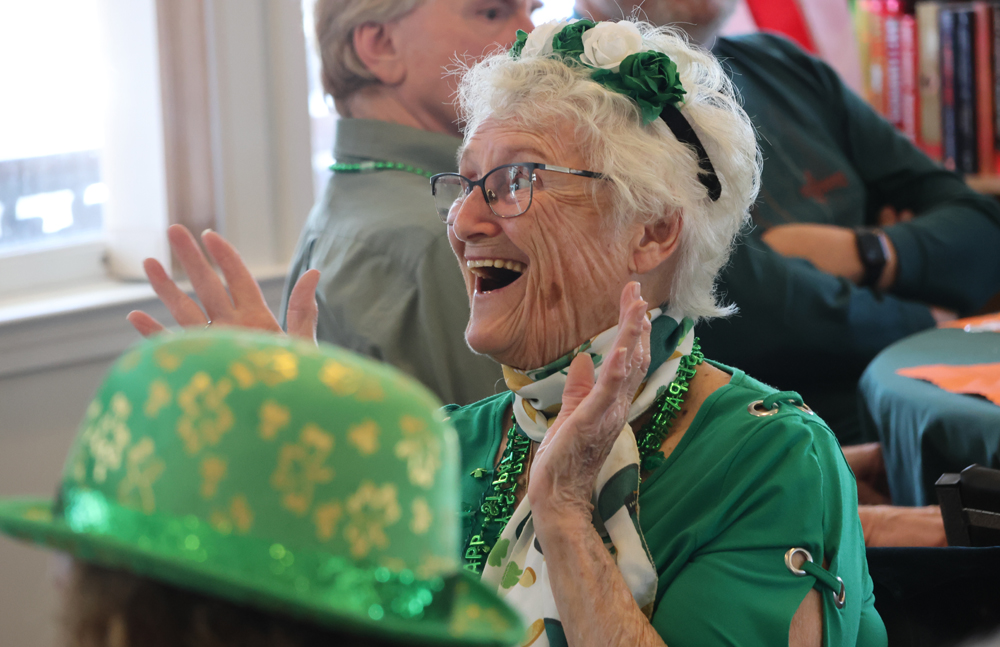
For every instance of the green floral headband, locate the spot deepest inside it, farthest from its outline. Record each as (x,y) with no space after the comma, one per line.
(614,50)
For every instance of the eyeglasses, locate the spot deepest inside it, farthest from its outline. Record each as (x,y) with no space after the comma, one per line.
(507,189)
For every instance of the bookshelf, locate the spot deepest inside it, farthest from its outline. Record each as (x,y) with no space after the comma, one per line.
(932,69)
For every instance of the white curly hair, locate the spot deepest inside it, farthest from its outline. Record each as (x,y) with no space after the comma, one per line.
(652,175)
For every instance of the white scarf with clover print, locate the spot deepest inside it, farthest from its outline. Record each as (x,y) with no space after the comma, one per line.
(516,566)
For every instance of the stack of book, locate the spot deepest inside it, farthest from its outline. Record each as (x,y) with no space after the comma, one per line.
(931,69)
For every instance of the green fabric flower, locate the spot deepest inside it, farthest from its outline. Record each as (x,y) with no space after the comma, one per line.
(568,43)
(515,49)
(649,78)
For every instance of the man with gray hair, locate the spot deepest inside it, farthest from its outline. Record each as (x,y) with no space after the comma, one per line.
(389,285)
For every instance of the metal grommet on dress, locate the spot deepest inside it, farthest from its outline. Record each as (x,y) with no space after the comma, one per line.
(788,560)
(804,408)
(839,598)
(756,408)
(824,578)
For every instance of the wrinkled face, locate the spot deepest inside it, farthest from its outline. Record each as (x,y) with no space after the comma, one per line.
(436,33)
(700,18)
(561,268)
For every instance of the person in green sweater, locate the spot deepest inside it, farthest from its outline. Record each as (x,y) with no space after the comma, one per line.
(624,490)
(813,311)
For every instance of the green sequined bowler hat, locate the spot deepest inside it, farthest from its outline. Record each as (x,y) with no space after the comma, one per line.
(265,471)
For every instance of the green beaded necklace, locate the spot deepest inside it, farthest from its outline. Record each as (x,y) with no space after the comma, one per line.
(366,167)
(665,409)
(498,500)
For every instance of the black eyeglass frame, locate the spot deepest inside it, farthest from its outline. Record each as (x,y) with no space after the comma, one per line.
(481,183)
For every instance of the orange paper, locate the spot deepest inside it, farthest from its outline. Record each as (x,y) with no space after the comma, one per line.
(982,323)
(973,379)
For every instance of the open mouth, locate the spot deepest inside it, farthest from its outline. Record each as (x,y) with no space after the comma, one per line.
(494,274)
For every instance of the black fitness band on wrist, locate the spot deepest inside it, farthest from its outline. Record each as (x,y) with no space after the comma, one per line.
(873,251)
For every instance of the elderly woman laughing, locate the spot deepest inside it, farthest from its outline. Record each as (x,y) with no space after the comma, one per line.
(623,490)
(656,169)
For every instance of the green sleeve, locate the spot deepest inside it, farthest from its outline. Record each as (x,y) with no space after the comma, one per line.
(787,486)
(794,317)
(299,266)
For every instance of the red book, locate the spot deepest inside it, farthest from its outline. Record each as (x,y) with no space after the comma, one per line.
(984,87)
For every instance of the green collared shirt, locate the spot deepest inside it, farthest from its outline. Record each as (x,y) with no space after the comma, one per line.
(391,287)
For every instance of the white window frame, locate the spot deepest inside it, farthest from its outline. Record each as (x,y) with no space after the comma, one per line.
(133,122)
(261,189)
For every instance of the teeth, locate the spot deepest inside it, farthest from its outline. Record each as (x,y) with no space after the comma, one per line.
(513,266)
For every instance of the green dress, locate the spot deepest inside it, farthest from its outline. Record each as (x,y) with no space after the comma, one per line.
(720,513)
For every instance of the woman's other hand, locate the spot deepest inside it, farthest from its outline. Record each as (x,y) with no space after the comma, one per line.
(593,414)
(241,306)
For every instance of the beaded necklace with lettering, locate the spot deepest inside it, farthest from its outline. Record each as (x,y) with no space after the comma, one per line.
(498,500)
(365,167)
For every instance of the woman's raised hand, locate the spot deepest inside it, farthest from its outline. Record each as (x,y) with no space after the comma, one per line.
(592,417)
(242,305)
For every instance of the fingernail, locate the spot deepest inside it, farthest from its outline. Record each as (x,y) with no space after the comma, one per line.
(206,231)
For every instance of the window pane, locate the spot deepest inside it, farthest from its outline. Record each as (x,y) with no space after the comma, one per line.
(53,75)
(322,116)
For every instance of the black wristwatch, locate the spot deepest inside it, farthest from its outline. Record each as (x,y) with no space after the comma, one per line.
(873,249)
